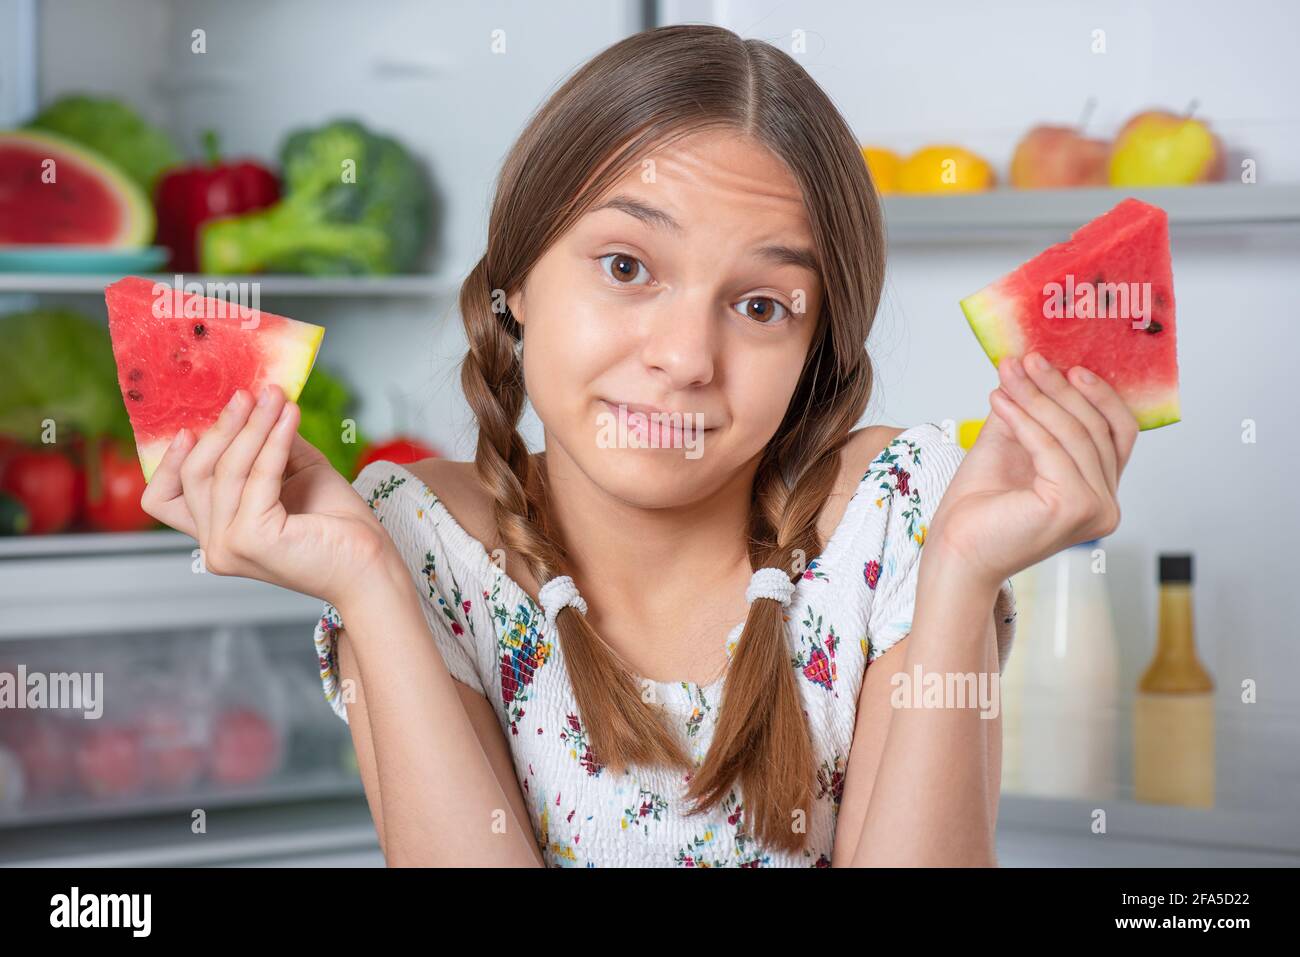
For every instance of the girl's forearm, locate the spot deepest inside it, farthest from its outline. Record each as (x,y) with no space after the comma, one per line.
(441,802)
(929,804)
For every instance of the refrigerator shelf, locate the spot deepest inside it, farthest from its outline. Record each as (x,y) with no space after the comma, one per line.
(1055,213)
(414,286)
(73,585)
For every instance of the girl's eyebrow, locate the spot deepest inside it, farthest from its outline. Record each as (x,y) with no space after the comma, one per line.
(652,216)
(657,218)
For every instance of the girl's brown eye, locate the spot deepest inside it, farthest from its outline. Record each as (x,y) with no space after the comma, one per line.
(627,270)
(762,309)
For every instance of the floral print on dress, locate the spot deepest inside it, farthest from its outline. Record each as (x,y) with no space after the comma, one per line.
(523,652)
(816,660)
(813,572)
(575,736)
(830,780)
(580,810)
(555,850)
(707,850)
(893,479)
(871,573)
(701,710)
(648,808)
(383,490)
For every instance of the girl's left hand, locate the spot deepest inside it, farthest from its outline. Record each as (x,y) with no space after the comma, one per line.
(1043,474)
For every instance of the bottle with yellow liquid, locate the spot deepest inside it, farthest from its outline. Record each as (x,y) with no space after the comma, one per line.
(1173,714)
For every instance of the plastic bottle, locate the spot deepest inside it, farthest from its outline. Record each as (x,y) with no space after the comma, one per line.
(1066,730)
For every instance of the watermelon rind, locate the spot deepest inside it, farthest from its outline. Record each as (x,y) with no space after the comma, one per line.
(1000,337)
(984,311)
(139,222)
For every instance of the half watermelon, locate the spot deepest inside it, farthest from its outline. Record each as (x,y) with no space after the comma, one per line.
(181,356)
(55,191)
(1103,299)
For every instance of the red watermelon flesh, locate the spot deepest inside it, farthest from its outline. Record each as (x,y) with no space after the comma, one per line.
(181,356)
(1104,300)
(55,191)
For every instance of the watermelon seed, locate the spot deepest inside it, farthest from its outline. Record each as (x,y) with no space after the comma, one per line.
(200,330)
(1153,327)
(1160,299)
(134,395)
(135,375)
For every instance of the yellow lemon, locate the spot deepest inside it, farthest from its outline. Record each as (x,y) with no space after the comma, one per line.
(883,165)
(945,169)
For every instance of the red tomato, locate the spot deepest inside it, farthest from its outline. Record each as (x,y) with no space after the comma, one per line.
(109,762)
(113,490)
(246,748)
(47,484)
(400,450)
(8,447)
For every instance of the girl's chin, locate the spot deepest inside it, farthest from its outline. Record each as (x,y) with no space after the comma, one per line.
(649,478)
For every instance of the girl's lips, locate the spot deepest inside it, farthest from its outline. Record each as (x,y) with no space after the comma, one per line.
(657,427)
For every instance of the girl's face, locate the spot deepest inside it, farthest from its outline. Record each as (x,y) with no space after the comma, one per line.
(690,287)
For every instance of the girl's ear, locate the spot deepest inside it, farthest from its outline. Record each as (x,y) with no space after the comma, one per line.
(515,303)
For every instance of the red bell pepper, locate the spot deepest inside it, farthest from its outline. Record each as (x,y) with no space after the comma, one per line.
(189,196)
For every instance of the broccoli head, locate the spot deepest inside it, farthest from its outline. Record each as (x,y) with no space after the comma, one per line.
(354,203)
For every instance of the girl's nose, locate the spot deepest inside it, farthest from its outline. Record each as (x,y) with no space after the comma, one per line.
(680,341)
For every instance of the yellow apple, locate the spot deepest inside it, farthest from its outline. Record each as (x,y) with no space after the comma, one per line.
(1158,148)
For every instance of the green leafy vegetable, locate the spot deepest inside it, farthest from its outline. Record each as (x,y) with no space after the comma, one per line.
(355,203)
(58,364)
(325,402)
(114,129)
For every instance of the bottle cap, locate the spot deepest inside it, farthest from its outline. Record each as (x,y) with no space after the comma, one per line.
(1175,568)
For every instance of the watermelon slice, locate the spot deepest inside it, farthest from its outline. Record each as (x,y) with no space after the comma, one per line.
(1103,299)
(55,191)
(181,356)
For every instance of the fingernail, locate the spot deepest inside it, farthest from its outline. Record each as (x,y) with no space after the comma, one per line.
(1085,375)
(1017,369)
(264,396)
(235,400)
(178,439)
(1038,362)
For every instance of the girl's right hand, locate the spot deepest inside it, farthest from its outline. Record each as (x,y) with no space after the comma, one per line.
(264,503)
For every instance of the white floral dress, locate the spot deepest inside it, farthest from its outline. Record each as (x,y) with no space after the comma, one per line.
(853,602)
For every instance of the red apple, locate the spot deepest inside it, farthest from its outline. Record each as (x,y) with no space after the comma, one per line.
(1056,157)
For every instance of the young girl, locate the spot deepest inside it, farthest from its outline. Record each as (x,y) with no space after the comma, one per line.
(650,643)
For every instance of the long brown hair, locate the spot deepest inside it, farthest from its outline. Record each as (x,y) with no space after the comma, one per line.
(647,90)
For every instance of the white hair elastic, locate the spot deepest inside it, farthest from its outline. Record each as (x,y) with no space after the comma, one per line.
(559,593)
(771,583)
